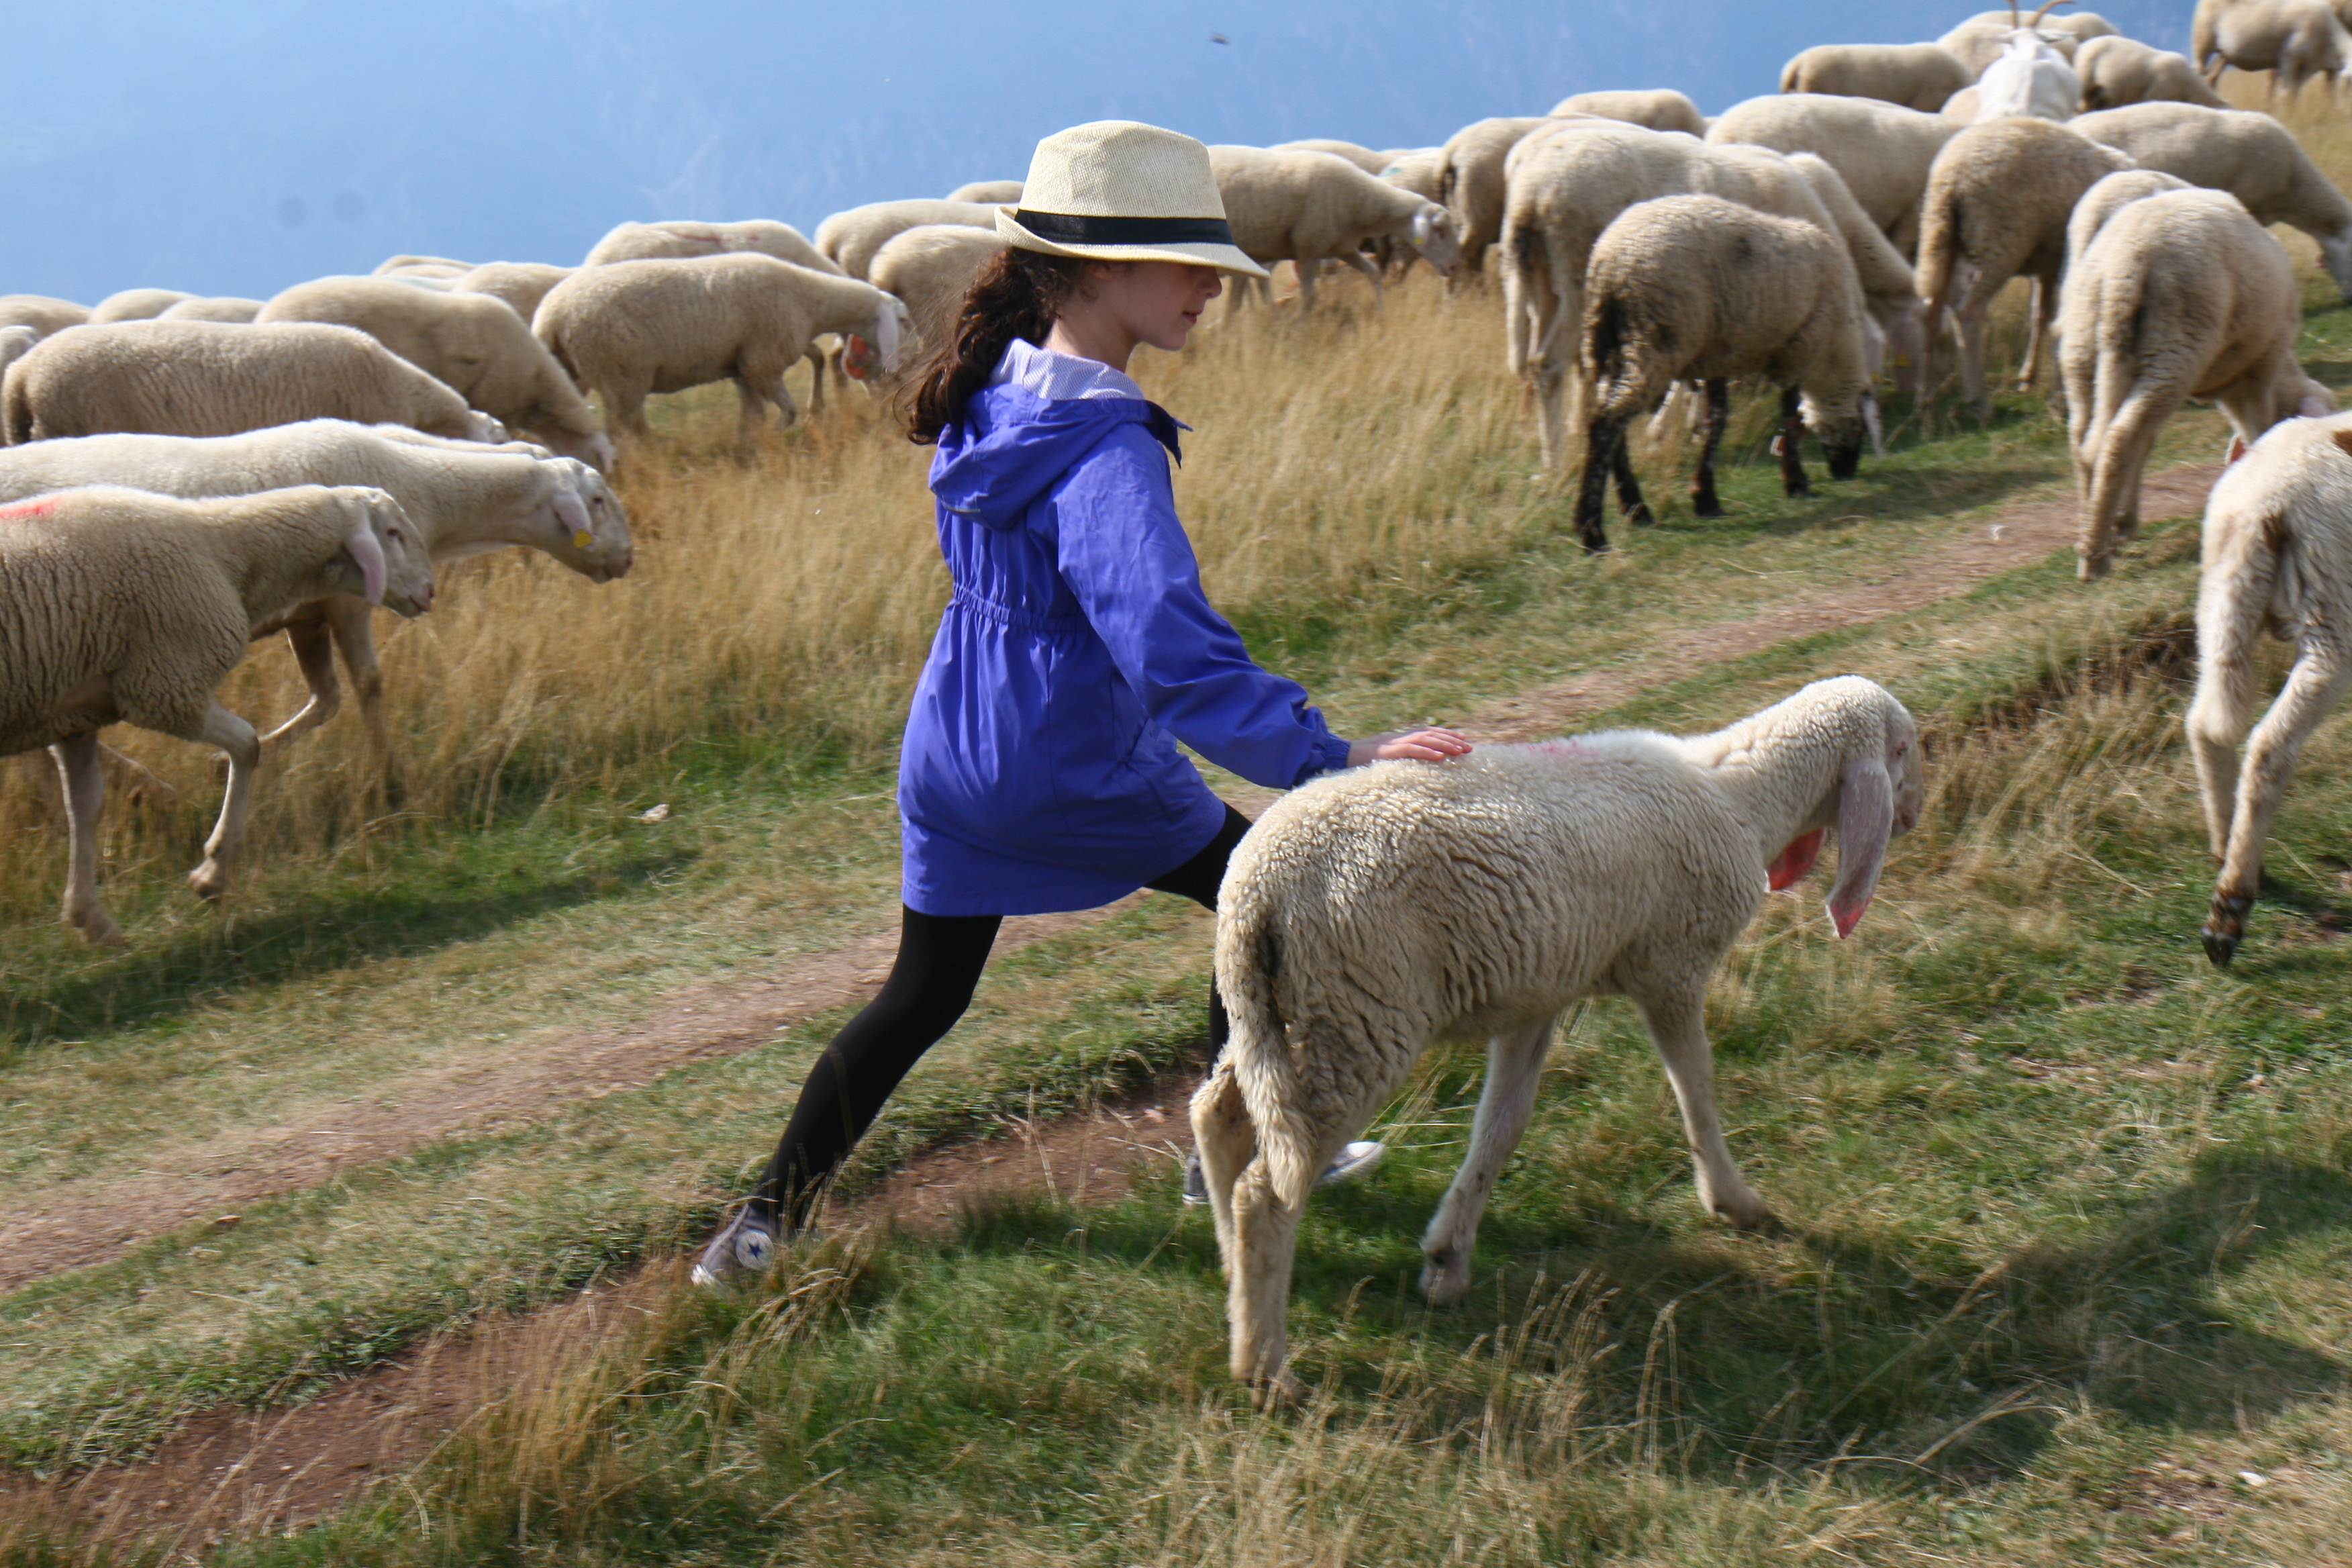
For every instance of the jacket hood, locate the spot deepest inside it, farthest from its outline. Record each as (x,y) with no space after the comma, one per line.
(1012,446)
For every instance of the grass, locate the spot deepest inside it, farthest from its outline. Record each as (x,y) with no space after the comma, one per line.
(2065,1206)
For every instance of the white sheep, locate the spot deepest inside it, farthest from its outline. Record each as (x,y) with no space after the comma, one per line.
(215,378)
(2294,40)
(991,192)
(1996,208)
(1881,151)
(2032,78)
(15,342)
(521,284)
(221,307)
(421,265)
(1890,287)
(1697,289)
(40,312)
(461,498)
(135,305)
(2108,197)
(2180,295)
(1917,76)
(930,270)
(1472,181)
(475,343)
(849,239)
(119,606)
(1364,158)
(632,328)
(1373,913)
(1418,170)
(1314,207)
(2119,70)
(680,238)
(2276,558)
(1658,108)
(2249,155)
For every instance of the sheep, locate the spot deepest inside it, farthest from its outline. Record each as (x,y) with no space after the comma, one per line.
(2119,70)
(1917,76)
(1471,182)
(1372,912)
(135,305)
(2276,557)
(1659,109)
(121,606)
(2248,155)
(631,327)
(1697,289)
(1996,208)
(15,342)
(994,193)
(1364,158)
(222,308)
(2294,40)
(1964,107)
(849,238)
(521,284)
(475,342)
(1979,40)
(215,378)
(2105,199)
(1881,151)
(680,238)
(930,270)
(429,266)
(1567,185)
(2032,78)
(462,498)
(2180,295)
(1313,207)
(40,312)
(1890,289)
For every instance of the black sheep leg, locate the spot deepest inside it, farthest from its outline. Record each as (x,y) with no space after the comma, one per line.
(1604,438)
(1628,488)
(1718,413)
(1791,445)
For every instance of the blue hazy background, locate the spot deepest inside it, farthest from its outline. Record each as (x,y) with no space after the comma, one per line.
(237,146)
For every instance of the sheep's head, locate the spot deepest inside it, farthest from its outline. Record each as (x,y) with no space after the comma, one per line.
(1877,791)
(1842,425)
(1438,238)
(589,531)
(383,552)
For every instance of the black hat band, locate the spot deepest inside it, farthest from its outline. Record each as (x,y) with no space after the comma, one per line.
(1075,228)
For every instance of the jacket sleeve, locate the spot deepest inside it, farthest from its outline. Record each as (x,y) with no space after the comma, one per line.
(1126,558)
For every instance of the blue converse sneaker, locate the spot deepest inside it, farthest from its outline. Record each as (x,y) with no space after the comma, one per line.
(1352,1162)
(738,1254)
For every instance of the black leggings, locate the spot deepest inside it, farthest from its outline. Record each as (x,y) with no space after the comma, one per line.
(930,983)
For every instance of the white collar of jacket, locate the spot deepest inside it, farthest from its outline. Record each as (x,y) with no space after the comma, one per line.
(1058,377)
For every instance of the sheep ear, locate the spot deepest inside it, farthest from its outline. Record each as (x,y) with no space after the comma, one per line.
(571,515)
(1865,822)
(367,553)
(1421,227)
(2238,449)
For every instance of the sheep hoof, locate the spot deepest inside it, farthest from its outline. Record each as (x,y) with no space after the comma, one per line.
(1445,1277)
(2091,568)
(209,881)
(2224,929)
(98,929)
(1280,1392)
(1706,505)
(1744,1211)
(1640,516)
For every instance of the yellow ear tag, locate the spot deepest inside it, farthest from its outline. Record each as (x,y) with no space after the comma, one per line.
(580,539)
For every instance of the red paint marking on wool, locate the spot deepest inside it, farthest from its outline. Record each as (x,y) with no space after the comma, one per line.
(28,509)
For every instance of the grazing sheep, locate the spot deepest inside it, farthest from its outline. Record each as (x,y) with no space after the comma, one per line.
(1890,289)
(2276,558)
(473,343)
(224,308)
(1997,205)
(1881,151)
(427,266)
(930,270)
(215,378)
(2249,155)
(1414,169)
(2294,40)
(1313,207)
(677,238)
(2119,70)
(1372,912)
(992,193)
(1659,109)
(2180,295)
(521,284)
(1979,40)
(40,312)
(1364,158)
(2033,79)
(2105,199)
(632,328)
(1698,288)
(1471,181)
(849,239)
(135,305)
(1917,76)
(461,498)
(118,607)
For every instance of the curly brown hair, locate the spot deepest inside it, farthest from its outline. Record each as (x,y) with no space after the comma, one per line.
(1016,295)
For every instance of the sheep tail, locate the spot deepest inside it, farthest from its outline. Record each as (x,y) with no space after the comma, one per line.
(1939,249)
(1250,951)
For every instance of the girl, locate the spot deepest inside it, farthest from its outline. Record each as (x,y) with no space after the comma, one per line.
(1040,770)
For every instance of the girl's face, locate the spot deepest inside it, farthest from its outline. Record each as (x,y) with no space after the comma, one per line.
(1155,303)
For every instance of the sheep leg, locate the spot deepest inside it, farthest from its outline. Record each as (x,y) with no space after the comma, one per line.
(2040,315)
(2314,687)
(83,778)
(1602,441)
(1975,325)
(1718,414)
(2231,606)
(233,735)
(2111,514)
(1259,1257)
(1678,1028)
(1227,1143)
(1365,265)
(1791,445)
(815,357)
(1629,485)
(1513,1066)
(1308,272)
(351,620)
(314,653)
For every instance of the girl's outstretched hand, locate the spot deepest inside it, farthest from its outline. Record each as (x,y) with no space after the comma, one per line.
(1421,745)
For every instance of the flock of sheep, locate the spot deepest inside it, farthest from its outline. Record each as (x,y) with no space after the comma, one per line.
(183,476)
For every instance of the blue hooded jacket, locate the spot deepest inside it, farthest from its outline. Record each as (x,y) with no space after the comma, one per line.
(1040,770)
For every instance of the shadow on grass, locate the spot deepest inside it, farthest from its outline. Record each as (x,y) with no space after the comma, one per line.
(314,934)
(1812,1349)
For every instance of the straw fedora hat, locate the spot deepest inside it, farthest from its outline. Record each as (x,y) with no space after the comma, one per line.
(1119,191)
